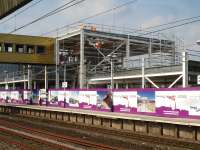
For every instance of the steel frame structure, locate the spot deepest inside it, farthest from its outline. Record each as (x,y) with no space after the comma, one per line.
(91,57)
(93,67)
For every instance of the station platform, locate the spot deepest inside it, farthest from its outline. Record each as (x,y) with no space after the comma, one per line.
(114,115)
(178,128)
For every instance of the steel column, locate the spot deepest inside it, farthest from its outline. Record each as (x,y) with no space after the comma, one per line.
(143,75)
(34,85)
(45,78)
(29,77)
(82,67)
(112,72)
(150,51)
(185,69)
(128,47)
(57,63)
(64,74)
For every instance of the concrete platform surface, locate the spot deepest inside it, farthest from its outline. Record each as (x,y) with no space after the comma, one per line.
(114,115)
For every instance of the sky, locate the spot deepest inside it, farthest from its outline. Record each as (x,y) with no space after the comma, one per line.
(138,15)
(147,94)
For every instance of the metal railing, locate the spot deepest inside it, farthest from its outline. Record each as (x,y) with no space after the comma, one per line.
(157,60)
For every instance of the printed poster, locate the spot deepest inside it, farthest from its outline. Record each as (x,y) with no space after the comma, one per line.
(194,105)
(104,101)
(53,98)
(27,96)
(87,99)
(172,103)
(125,101)
(73,99)
(146,101)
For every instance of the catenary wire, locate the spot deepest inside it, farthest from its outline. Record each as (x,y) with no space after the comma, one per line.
(57,10)
(92,16)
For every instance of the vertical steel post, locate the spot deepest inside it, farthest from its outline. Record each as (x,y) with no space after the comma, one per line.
(127,86)
(13,81)
(57,63)
(24,74)
(64,74)
(128,47)
(34,85)
(82,68)
(116,85)
(45,78)
(112,73)
(143,74)
(6,80)
(29,77)
(150,51)
(185,69)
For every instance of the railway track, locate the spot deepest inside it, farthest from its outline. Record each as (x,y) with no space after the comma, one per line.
(144,139)
(168,143)
(19,145)
(52,139)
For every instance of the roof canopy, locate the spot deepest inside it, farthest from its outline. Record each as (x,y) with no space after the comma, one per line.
(9,6)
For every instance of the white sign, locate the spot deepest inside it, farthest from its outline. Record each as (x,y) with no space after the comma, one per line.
(64,84)
(198,79)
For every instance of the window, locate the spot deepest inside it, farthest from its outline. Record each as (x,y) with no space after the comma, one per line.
(30,49)
(8,47)
(19,48)
(40,50)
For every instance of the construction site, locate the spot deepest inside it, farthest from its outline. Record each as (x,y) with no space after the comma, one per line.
(97,56)
(100,85)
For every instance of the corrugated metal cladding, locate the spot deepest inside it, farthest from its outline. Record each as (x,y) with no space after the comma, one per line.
(9,6)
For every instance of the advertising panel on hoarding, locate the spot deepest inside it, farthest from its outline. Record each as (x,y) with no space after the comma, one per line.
(62,96)
(53,98)
(58,98)
(87,99)
(175,103)
(16,97)
(42,97)
(3,95)
(8,97)
(1,99)
(194,103)
(73,99)
(27,95)
(125,101)
(146,101)
(35,96)
(104,100)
